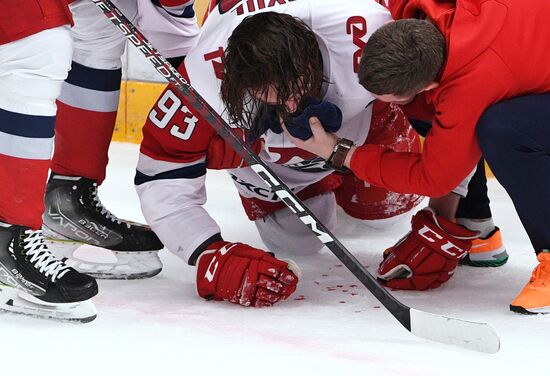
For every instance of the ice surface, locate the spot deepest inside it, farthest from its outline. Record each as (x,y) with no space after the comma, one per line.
(331,326)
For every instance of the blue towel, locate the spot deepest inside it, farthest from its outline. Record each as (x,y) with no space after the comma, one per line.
(298,125)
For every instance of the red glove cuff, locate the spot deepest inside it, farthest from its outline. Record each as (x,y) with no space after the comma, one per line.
(434,232)
(221,156)
(428,255)
(207,267)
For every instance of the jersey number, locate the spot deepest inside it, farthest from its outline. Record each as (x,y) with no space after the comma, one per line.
(216,57)
(169,104)
(356,26)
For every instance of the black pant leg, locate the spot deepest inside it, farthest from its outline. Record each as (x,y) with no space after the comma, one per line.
(514,136)
(476,203)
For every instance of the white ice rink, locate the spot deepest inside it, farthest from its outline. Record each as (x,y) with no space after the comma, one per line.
(331,326)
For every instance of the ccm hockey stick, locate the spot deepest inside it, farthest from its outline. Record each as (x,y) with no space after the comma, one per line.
(472,335)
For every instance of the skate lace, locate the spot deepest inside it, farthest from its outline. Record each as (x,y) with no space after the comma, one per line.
(106,213)
(37,253)
(541,275)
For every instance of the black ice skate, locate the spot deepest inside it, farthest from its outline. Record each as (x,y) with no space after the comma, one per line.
(34,282)
(75,216)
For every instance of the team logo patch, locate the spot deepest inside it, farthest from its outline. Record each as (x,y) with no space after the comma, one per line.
(248,6)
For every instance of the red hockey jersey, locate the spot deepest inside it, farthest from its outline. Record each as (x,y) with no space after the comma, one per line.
(496,49)
(21,18)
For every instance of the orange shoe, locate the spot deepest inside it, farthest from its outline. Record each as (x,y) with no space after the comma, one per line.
(487,252)
(535,296)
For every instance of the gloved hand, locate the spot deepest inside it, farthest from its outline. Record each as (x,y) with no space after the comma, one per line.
(427,256)
(241,274)
(221,156)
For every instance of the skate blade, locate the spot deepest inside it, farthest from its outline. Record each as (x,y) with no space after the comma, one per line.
(15,301)
(103,263)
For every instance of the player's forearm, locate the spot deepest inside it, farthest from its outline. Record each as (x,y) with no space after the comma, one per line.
(445,206)
(173,209)
(400,172)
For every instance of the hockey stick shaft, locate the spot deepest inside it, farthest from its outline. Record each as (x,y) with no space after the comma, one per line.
(224,130)
(400,311)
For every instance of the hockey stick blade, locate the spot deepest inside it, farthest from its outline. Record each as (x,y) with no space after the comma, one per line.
(401,312)
(467,334)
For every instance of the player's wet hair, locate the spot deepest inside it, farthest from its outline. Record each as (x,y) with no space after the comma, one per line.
(402,58)
(269,49)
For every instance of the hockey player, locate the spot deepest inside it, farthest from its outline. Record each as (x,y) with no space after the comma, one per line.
(284,62)
(87,109)
(482,66)
(35,54)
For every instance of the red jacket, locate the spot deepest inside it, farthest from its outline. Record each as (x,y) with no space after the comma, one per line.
(21,18)
(496,49)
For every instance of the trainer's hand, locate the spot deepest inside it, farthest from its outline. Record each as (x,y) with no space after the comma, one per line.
(321,143)
(427,256)
(241,274)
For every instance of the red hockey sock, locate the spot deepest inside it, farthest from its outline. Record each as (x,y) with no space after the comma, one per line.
(87,109)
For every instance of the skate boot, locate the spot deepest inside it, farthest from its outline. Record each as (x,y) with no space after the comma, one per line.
(535,296)
(91,238)
(487,252)
(34,282)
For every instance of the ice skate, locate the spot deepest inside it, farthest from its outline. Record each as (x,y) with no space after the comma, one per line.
(33,282)
(81,230)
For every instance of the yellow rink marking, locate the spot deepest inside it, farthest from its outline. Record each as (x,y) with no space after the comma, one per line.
(137,98)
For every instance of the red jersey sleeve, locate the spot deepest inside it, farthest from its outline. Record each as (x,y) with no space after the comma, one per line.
(450,150)
(174,132)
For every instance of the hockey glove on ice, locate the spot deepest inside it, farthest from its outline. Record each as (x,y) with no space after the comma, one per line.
(240,274)
(427,256)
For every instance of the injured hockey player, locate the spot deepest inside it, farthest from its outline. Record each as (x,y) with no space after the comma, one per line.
(310,72)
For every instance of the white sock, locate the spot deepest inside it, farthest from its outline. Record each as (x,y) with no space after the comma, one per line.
(483,226)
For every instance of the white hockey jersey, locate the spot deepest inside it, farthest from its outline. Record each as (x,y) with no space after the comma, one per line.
(171,171)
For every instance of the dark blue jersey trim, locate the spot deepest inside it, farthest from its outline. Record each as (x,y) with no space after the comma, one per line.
(189,172)
(95,79)
(23,125)
(188,12)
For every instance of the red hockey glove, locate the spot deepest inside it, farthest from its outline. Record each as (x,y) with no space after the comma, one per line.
(221,156)
(240,274)
(427,256)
